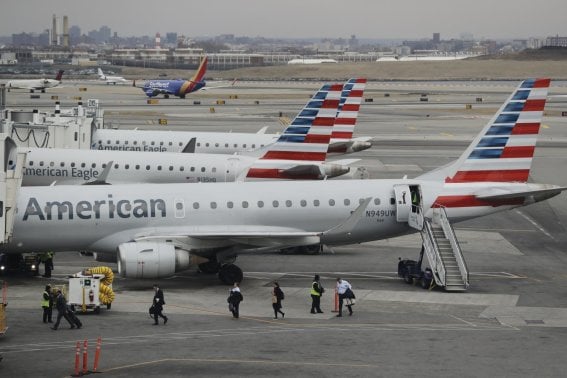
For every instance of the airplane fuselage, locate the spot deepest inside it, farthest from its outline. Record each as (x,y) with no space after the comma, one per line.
(100,218)
(177,88)
(33,83)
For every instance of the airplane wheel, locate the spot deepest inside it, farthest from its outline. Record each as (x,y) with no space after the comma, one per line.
(210,267)
(166,96)
(229,274)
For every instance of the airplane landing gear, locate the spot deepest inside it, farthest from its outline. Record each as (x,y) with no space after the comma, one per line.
(230,273)
(210,267)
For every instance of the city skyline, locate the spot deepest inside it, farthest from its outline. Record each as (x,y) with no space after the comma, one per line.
(483,19)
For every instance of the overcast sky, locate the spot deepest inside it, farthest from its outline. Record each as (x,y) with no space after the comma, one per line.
(295,18)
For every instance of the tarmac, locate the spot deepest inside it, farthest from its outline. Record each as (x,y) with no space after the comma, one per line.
(512,321)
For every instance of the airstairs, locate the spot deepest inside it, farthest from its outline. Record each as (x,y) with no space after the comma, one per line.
(443,251)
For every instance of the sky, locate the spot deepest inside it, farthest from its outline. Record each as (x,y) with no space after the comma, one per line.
(377,19)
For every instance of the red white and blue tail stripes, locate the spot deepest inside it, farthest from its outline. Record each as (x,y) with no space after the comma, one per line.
(351,98)
(503,152)
(306,138)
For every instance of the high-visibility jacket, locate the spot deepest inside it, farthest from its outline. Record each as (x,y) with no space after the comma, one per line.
(45,302)
(314,286)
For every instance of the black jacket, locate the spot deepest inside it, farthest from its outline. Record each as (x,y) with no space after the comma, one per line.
(61,303)
(158,298)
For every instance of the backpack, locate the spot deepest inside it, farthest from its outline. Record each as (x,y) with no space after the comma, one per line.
(280,295)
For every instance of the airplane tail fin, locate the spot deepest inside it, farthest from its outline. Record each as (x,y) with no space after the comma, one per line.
(503,151)
(100,74)
(59,75)
(306,138)
(200,74)
(347,115)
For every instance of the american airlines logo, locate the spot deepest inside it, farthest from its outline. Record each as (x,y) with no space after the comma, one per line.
(67,210)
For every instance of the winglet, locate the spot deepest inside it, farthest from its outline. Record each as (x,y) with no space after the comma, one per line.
(348,224)
(190,147)
(101,180)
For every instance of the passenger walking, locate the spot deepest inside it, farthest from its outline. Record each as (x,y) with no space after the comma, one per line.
(47,259)
(47,304)
(61,305)
(234,299)
(317,291)
(277,297)
(158,303)
(344,290)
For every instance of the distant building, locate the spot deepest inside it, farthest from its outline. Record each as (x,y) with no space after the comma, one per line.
(556,41)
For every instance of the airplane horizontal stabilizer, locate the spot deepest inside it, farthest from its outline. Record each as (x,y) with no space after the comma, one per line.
(539,192)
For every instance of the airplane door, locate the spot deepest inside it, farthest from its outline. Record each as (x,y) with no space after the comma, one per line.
(231,169)
(403,202)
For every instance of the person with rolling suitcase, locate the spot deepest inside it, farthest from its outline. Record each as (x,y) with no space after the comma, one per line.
(73,317)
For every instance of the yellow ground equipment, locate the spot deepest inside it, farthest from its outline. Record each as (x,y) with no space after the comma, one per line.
(91,288)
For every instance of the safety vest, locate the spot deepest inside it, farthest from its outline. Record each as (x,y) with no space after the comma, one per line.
(313,291)
(45,302)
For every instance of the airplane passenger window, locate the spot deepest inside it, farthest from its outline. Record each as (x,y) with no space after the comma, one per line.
(229,204)
(51,164)
(206,144)
(31,163)
(216,144)
(171,167)
(93,165)
(235,145)
(117,142)
(213,205)
(147,167)
(275,204)
(108,141)
(103,165)
(347,202)
(303,203)
(226,145)
(62,164)
(137,166)
(153,143)
(260,204)
(125,142)
(72,164)
(331,202)
(100,142)
(245,204)
(179,206)
(182,168)
(83,165)
(315,203)
(127,166)
(192,169)
(180,144)
(288,203)
(159,167)
(244,145)
(41,163)
(392,201)
(171,143)
(214,169)
(195,205)
(377,201)
(144,142)
(116,166)
(261,145)
(360,201)
(135,142)
(202,169)
(161,143)
(198,144)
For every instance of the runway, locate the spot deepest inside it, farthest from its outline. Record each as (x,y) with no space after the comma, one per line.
(511,321)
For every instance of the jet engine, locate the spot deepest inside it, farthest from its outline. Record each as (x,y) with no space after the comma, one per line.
(151,259)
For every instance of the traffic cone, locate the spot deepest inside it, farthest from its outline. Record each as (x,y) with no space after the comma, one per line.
(97,353)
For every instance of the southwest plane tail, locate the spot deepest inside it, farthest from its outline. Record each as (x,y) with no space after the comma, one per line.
(493,171)
(304,142)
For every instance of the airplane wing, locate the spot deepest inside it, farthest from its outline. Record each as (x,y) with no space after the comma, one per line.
(254,238)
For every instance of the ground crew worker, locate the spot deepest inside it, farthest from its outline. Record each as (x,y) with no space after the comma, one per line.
(47,304)
(316,292)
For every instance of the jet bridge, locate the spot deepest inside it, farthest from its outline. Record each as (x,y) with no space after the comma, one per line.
(12,163)
(71,128)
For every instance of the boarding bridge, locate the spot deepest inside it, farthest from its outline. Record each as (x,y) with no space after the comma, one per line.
(72,128)
(440,242)
(12,163)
